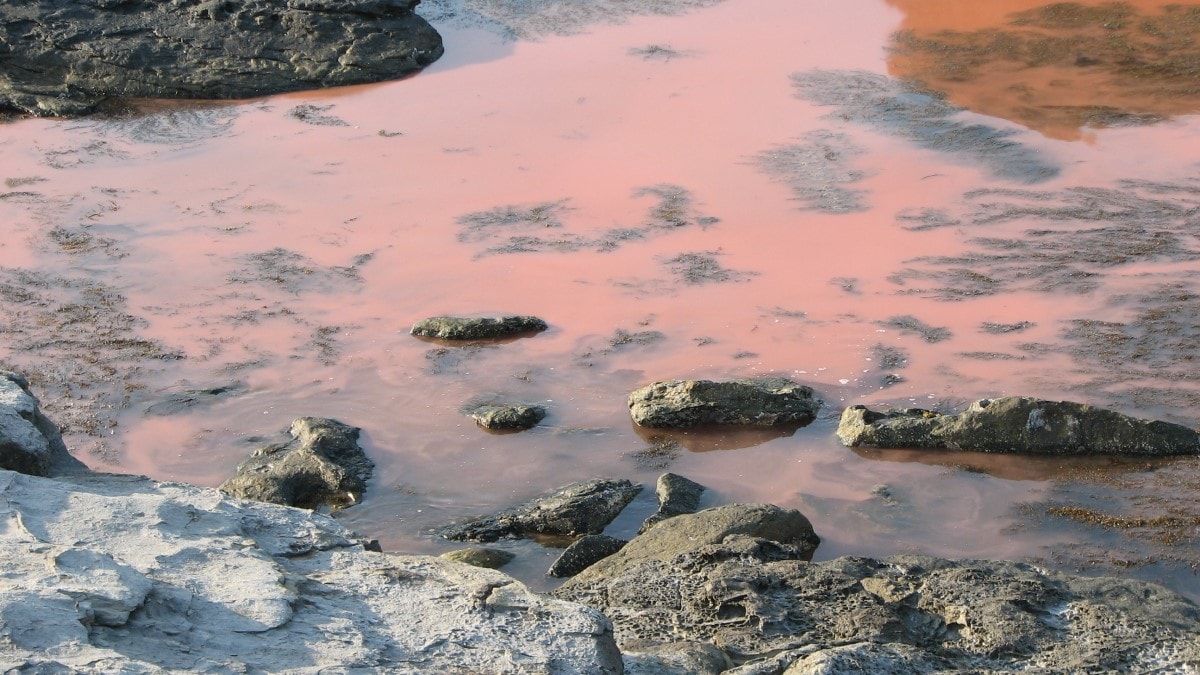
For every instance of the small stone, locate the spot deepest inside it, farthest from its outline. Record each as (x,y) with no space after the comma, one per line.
(676,496)
(584,553)
(481,556)
(681,404)
(508,417)
(488,328)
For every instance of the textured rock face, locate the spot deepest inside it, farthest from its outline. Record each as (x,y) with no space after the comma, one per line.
(321,465)
(487,328)
(29,442)
(766,611)
(1018,424)
(62,57)
(580,508)
(681,404)
(111,573)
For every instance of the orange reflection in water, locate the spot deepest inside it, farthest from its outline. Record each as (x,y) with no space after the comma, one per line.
(1055,68)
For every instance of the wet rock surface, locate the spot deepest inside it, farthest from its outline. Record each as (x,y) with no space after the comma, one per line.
(486,328)
(1021,425)
(322,465)
(681,404)
(107,573)
(763,609)
(585,552)
(586,507)
(63,58)
(508,417)
(676,496)
(29,442)
(481,556)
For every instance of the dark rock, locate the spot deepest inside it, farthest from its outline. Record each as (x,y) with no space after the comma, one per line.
(680,404)
(481,556)
(1018,424)
(63,57)
(580,508)
(488,328)
(584,553)
(508,417)
(29,442)
(321,466)
(676,496)
(185,400)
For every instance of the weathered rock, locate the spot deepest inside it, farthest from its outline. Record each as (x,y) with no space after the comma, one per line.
(508,417)
(1018,424)
(486,328)
(682,658)
(29,442)
(63,57)
(681,404)
(321,466)
(481,556)
(580,508)
(676,496)
(770,612)
(109,573)
(586,551)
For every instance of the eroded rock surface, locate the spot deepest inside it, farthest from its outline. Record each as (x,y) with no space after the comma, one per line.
(1018,424)
(108,573)
(29,442)
(63,57)
(681,404)
(322,465)
(486,328)
(580,508)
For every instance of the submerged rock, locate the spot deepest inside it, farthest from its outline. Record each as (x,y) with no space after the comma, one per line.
(107,573)
(63,57)
(676,496)
(321,466)
(508,417)
(487,328)
(584,553)
(1018,424)
(481,556)
(29,441)
(580,508)
(681,404)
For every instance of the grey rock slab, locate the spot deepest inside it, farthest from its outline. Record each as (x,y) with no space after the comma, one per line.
(1018,424)
(586,551)
(682,404)
(485,328)
(108,573)
(676,496)
(63,57)
(29,441)
(322,465)
(586,507)
(508,417)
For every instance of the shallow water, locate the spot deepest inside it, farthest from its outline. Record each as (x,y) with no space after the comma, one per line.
(732,191)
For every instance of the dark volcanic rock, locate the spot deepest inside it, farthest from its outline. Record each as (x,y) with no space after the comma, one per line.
(1018,424)
(681,404)
(584,553)
(63,57)
(580,508)
(508,417)
(321,465)
(488,328)
(29,442)
(676,496)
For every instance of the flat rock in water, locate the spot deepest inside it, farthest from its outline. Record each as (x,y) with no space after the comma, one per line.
(120,574)
(580,508)
(322,465)
(584,553)
(681,404)
(63,57)
(29,441)
(487,328)
(508,417)
(1018,424)
(481,556)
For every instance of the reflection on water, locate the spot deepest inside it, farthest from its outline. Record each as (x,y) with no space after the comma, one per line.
(1056,68)
(681,217)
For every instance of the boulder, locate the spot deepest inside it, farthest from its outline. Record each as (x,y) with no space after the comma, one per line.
(580,508)
(508,417)
(1018,424)
(682,404)
(322,465)
(108,573)
(63,57)
(585,552)
(676,496)
(29,442)
(486,328)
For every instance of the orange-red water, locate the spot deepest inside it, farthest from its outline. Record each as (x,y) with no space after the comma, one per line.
(581,119)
